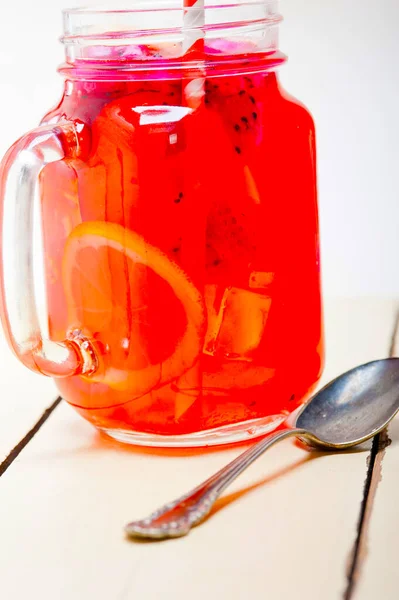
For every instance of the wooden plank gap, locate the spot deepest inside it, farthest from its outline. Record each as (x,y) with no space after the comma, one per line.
(394,347)
(373,477)
(16,451)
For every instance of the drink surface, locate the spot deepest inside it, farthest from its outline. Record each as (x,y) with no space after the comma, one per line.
(184,241)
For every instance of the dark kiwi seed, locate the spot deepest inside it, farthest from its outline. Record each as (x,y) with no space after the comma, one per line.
(181,195)
(237,127)
(241,92)
(217,262)
(175,249)
(249,81)
(255,115)
(177,200)
(237,149)
(252,99)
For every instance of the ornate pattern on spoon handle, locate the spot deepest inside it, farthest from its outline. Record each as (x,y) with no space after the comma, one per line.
(176,518)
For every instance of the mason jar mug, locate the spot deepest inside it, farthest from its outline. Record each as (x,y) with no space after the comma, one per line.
(176,188)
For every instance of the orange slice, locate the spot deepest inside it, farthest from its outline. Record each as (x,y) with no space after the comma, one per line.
(88,289)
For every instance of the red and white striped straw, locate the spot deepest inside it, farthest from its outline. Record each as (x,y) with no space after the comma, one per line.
(193,44)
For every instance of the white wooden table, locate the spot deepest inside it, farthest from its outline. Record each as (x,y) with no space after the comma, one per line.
(295,525)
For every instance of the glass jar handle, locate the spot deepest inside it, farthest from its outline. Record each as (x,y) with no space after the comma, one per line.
(19,173)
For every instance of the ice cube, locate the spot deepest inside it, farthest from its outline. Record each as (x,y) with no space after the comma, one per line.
(236,323)
(187,389)
(260,279)
(215,306)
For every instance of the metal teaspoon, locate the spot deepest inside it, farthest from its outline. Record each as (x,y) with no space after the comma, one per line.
(348,411)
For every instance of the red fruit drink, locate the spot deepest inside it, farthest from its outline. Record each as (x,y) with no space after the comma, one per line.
(184,243)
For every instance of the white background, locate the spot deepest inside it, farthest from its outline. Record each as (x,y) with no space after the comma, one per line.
(344,57)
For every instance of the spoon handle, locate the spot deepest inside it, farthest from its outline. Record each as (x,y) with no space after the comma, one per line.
(176,518)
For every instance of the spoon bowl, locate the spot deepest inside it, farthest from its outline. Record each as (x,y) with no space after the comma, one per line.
(348,411)
(353,407)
